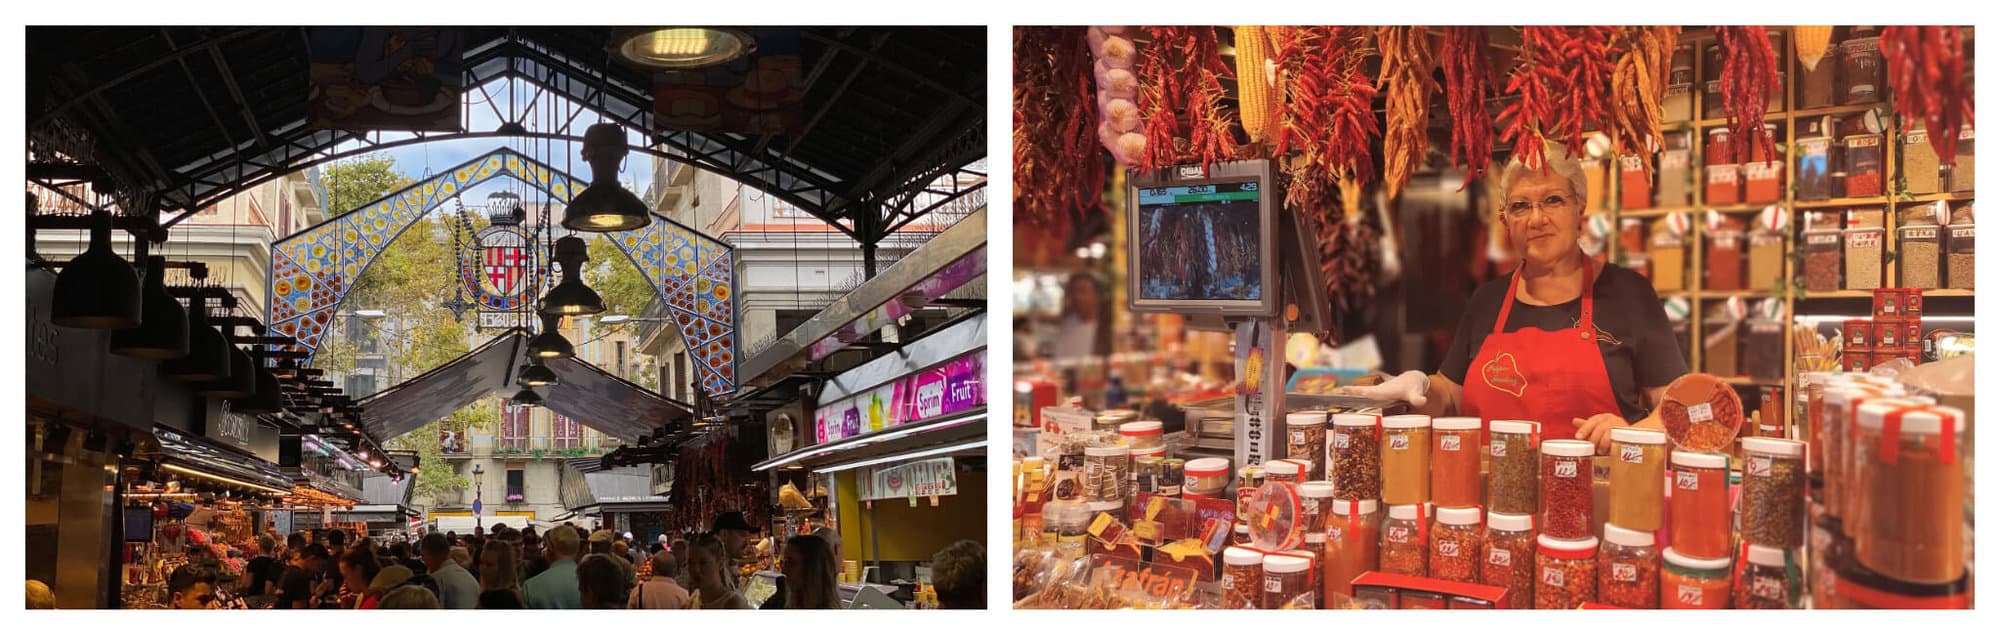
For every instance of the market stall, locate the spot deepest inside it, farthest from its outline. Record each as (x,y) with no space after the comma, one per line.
(1256,222)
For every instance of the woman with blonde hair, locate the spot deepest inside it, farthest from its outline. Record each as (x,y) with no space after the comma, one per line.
(498,573)
(708,569)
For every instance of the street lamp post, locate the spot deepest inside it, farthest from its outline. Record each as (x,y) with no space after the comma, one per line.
(478,492)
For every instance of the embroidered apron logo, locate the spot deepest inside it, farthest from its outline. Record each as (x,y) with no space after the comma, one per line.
(1504,374)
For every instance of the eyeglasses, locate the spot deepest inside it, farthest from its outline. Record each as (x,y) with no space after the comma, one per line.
(1518,210)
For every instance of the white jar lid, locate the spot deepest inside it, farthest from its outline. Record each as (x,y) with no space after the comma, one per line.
(1281,563)
(1703,564)
(1140,428)
(1568,447)
(1355,420)
(1107,450)
(1837,395)
(1817,377)
(1509,522)
(1364,507)
(1403,512)
(1242,528)
(1762,555)
(1455,423)
(1458,515)
(1240,557)
(1316,489)
(1287,467)
(1407,421)
(1205,467)
(1928,421)
(1515,426)
(1774,447)
(1701,460)
(1642,436)
(1627,537)
(1584,545)
(1305,418)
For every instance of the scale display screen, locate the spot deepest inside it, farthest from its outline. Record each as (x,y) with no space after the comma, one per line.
(1201,243)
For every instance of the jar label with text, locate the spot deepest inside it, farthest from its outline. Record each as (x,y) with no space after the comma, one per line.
(1767,587)
(1701,413)
(1334,532)
(1448,443)
(1688,594)
(1757,466)
(1273,585)
(1399,534)
(1498,448)
(1448,548)
(1340,440)
(1565,468)
(1631,454)
(1552,576)
(1228,583)
(1499,557)
(1399,442)
(1686,480)
(1624,572)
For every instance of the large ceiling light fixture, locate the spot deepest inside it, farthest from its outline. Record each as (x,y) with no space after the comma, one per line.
(605,206)
(571,296)
(208,353)
(163,331)
(97,289)
(550,344)
(537,375)
(681,47)
(527,397)
(241,382)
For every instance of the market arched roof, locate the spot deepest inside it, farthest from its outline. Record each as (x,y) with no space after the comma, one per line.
(194,114)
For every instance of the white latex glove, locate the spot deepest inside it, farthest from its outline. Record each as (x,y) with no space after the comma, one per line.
(1410,386)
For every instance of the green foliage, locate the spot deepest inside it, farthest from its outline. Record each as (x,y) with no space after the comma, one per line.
(626,292)
(354,183)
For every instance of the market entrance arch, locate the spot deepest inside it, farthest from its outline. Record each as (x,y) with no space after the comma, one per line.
(694,274)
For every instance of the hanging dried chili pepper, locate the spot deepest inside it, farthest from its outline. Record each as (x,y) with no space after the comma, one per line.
(1536,78)
(1180,74)
(1058,171)
(1468,82)
(1329,115)
(1407,85)
(1563,79)
(1749,75)
(1639,79)
(1927,73)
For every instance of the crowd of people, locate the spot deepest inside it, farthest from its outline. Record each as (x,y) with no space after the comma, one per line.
(561,568)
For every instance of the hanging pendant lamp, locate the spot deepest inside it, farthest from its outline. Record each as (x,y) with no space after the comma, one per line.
(163,332)
(537,375)
(571,296)
(242,380)
(208,353)
(550,343)
(527,397)
(97,289)
(605,206)
(267,398)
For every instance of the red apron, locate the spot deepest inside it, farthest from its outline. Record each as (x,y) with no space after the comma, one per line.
(1537,375)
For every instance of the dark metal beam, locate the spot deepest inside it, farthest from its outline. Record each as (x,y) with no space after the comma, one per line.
(177,54)
(838,91)
(213,116)
(812,77)
(921,78)
(236,93)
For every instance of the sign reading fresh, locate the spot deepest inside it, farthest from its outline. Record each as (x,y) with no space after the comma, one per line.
(950,388)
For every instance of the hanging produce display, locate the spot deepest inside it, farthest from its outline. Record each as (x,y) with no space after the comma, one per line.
(1259,102)
(1468,82)
(1639,79)
(1810,42)
(1407,85)
(1058,174)
(1114,57)
(1749,75)
(1563,78)
(1180,97)
(1926,71)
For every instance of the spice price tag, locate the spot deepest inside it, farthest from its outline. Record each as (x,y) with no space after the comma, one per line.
(1552,576)
(1866,239)
(1399,442)
(1720,176)
(1499,557)
(1497,448)
(1961,232)
(1631,454)
(1448,548)
(1273,584)
(1228,583)
(1701,413)
(1566,468)
(1624,572)
(1340,440)
(1448,443)
(1298,437)
(1686,480)
(1767,587)
(1688,594)
(1864,141)
(1757,466)
(1399,534)
(1334,532)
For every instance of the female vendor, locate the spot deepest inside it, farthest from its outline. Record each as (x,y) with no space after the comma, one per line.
(1579,348)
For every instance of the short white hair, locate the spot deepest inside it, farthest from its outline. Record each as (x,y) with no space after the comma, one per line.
(1555,158)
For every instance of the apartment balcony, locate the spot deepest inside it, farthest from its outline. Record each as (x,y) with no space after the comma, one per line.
(544,447)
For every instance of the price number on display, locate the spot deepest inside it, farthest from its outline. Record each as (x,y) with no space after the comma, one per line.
(1500,557)
(1686,480)
(1399,442)
(1688,594)
(1566,468)
(1552,576)
(1449,443)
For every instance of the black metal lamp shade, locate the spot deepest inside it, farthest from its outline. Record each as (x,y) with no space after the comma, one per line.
(526,397)
(537,375)
(550,344)
(163,331)
(97,289)
(242,380)
(208,353)
(605,206)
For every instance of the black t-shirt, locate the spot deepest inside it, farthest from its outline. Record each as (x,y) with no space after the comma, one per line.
(295,586)
(262,569)
(1632,333)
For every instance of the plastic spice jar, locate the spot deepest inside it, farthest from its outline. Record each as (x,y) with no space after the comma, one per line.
(1242,578)
(1142,434)
(1173,472)
(1455,452)
(1287,579)
(1305,440)
(1565,572)
(1356,456)
(1107,471)
(1509,559)
(1110,420)
(1207,476)
(1842,401)
(1958,263)
(1767,582)
(1864,258)
(1566,494)
(1628,569)
(1638,477)
(1823,256)
(1249,478)
(1917,256)
(1911,483)
(1457,538)
(1242,534)
(1512,450)
(1774,492)
(1693,583)
(1291,471)
(1403,548)
(1701,504)
(1148,471)
(1406,459)
(1315,500)
(1353,543)
(1074,529)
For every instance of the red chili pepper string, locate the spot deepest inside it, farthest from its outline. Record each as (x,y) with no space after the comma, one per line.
(1749,74)
(1058,165)
(1926,71)
(1181,72)
(1468,83)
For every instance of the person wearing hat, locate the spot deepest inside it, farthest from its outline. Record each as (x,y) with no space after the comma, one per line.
(735,532)
(556,588)
(600,541)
